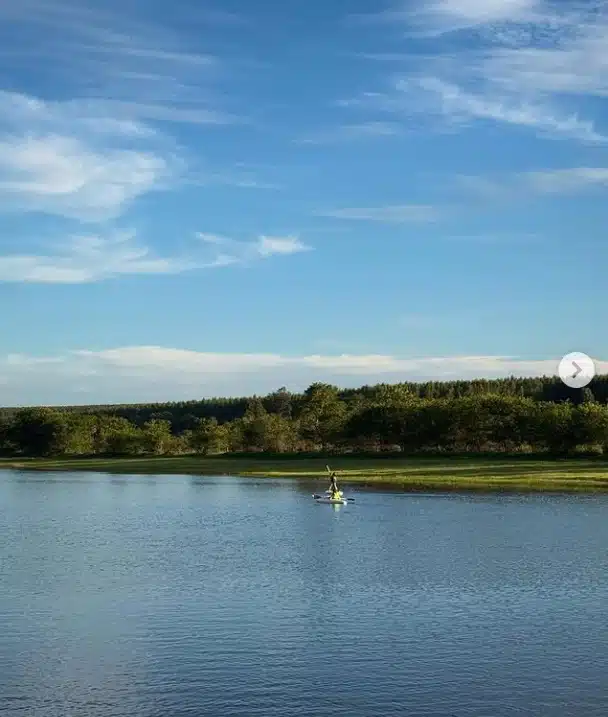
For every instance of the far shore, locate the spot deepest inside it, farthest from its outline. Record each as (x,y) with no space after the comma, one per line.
(444,473)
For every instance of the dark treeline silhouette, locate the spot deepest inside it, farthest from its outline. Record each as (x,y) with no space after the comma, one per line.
(183,414)
(531,415)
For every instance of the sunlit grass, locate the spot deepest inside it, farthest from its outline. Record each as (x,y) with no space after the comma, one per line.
(434,473)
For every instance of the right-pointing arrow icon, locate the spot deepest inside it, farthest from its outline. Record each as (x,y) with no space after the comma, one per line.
(576,369)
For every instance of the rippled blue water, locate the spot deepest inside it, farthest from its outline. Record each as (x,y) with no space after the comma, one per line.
(175,596)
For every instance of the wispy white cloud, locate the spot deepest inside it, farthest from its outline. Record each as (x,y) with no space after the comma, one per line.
(62,175)
(563,181)
(85,259)
(264,246)
(100,141)
(434,96)
(441,16)
(548,182)
(116,52)
(133,373)
(269,246)
(396,214)
(91,258)
(75,159)
(577,68)
(524,63)
(86,161)
(84,117)
(435,17)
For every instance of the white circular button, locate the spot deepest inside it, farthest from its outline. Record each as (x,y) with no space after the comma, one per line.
(576,370)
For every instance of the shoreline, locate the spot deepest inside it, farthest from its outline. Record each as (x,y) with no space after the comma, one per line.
(402,474)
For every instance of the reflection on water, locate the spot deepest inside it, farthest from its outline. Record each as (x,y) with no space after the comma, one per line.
(166,595)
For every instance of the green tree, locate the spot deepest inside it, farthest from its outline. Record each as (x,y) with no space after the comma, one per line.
(486,421)
(81,433)
(281,435)
(590,425)
(7,447)
(552,427)
(323,417)
(392,395)
(280,402)
(375,427)
(156,437)
(587,395)
(39,432)
(115,435)
(434,420)
(209,437)
(254,426)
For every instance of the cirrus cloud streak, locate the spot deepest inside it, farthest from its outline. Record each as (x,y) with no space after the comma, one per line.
(87,258)
(517,63)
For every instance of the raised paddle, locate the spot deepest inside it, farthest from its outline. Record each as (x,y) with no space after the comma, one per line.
(350,500)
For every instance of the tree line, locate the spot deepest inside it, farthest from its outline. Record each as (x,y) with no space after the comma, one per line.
(511,415)
(183,415)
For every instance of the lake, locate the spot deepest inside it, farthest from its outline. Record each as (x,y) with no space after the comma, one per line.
(171,596)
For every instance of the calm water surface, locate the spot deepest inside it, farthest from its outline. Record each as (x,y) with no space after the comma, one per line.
(174,596)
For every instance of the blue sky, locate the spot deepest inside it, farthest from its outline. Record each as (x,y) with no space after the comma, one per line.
(203,198)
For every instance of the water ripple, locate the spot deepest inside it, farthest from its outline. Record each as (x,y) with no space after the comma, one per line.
(174,596)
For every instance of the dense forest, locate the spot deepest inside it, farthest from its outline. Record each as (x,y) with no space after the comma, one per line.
(507,415)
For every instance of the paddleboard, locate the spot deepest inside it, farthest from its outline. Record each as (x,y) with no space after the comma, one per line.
(328,499)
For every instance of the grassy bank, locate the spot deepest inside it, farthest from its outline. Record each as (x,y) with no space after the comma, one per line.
(429,473)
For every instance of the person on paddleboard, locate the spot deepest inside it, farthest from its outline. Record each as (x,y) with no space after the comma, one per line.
(333,486)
